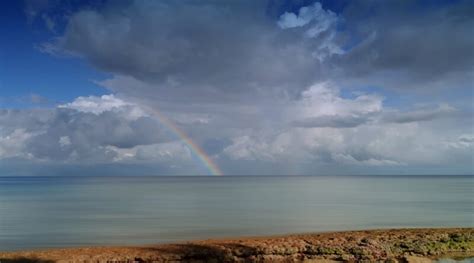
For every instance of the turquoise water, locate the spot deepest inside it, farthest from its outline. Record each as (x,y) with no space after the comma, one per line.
(40,212)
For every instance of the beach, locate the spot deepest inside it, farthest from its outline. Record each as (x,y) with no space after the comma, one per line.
(391,245)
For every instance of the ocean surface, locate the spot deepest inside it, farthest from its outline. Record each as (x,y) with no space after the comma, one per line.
(43,212)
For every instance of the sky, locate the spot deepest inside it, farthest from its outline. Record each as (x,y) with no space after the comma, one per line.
(267,87)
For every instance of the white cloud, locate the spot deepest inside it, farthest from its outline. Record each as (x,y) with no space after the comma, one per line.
(98,105)
(94,104)
(325,99)
(85,130)
(320,19)
(322,106)
(327,128)
(318,24)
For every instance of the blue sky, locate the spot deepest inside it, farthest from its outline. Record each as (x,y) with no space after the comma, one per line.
(24,70)
(261,87)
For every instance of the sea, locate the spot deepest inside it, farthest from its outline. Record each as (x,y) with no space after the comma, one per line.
(47,212)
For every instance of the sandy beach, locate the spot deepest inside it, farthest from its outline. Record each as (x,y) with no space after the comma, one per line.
(394,245)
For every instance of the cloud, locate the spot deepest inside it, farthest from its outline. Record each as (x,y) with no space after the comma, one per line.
(328,129)
(324,98)
(315,14)
(164,47)
(335,121)
(247,148)
(12,144)
(95,105)
(400,46)
(464,141)
(322,106)
(83,130)
(318,24)
(442,111)
(94,132)
(98,105)
(409,144)
(156,48)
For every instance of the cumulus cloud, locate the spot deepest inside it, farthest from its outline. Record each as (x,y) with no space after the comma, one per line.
(93,132)
(99,105)
(88,129)
(330,129)
(369,145)
(325,99)
(95,105)
(323,106)
(307,14)
(319,24)
(13,144)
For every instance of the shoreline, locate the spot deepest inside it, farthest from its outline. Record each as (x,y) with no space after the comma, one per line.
(385,245)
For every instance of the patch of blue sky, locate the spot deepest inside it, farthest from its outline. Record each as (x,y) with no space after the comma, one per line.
(25,70)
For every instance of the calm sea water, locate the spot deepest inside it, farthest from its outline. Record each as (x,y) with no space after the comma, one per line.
(39,212)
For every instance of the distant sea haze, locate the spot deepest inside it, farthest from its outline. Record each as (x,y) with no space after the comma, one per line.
(41,212)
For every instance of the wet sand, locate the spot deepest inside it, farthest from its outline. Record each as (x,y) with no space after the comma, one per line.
(397,245)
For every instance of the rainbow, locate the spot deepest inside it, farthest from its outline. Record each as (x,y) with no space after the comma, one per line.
(195,149)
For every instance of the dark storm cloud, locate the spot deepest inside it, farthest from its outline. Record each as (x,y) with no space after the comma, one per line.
(202,49)
(234,50)
(406,44)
